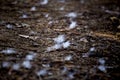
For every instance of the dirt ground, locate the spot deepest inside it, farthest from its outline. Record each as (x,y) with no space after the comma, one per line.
(95,37)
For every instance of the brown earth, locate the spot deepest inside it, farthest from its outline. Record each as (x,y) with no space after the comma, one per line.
(98,27)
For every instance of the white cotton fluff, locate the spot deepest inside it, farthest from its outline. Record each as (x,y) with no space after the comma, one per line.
(102,68)
(71,76)
(101,61)
(24,16)
(50,22)
(46,15)
(42,72)
(26,64)
(84,40)
(62,8)
(44,2)
(92,49)
(54,47)
(49,49)
(72,15)
(6,64)
(64,70)
(68,58)
(59,39)
(66,44)
(32,32)
(57,46)
(30,57)
(46,65)
(8,51)
(85,55)
(16,66)
(73,25)
(33,8)
(9,26)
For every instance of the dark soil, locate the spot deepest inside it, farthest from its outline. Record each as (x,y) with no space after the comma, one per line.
(98,22)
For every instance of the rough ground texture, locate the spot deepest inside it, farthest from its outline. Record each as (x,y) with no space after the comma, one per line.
(98,27)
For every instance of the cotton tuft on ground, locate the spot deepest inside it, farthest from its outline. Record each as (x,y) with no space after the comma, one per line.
(59,39)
